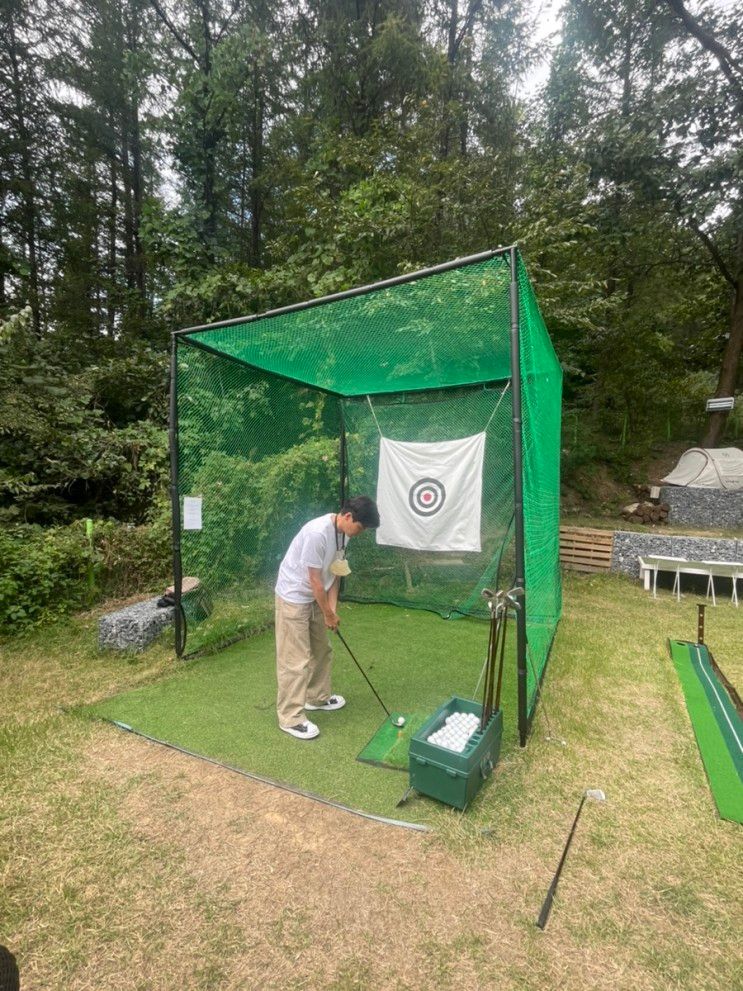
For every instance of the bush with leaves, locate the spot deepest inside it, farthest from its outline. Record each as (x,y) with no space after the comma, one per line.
(134,559)
(44,574)
(251,509)
(48,572)
(79,441)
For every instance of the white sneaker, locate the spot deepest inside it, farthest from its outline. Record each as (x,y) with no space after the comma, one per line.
(334,702)
(302,731)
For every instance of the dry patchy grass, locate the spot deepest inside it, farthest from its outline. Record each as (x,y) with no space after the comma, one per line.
(128,866)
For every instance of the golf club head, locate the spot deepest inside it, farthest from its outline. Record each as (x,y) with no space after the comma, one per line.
(398,721)
(596,794)
(513,595)
(487,593)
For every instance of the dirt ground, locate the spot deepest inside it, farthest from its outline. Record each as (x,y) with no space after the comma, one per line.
(320,898)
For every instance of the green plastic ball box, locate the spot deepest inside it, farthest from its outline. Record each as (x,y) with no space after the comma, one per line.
(450,777)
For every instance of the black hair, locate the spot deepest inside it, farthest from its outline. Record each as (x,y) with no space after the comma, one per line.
(363,510)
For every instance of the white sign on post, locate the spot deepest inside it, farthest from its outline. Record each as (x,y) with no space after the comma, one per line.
(192,512)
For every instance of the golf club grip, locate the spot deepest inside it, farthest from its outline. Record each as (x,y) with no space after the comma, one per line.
(546,906)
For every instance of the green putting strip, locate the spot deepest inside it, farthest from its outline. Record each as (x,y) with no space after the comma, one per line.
(717,726)
(390,744)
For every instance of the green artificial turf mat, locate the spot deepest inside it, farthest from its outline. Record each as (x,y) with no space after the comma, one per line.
(390,745)
(223,706)
(717,726)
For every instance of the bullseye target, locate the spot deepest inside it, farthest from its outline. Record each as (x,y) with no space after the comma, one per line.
(426,496)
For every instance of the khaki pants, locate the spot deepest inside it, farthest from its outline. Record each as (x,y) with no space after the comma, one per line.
(303,659)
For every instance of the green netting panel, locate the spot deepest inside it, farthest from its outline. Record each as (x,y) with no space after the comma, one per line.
(262,454)
(541,397)
(446,329)
(259,408)
(450,584)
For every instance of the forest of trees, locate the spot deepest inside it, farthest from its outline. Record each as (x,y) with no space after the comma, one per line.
(165,163)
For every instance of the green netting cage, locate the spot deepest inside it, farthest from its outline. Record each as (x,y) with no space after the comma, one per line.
(276,417)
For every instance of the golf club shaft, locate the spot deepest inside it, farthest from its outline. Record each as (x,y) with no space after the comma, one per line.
(497,651)
(488,668)
(547,904)
(501,660)
(340,635)
(494,645)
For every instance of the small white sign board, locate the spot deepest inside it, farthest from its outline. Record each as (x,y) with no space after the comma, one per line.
(192,512)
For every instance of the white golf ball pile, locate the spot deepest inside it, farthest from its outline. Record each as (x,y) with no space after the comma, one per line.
(456,731)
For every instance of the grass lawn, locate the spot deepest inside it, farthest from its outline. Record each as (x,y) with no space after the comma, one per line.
(124,865)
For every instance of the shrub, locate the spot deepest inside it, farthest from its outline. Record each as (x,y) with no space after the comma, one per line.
(43,574)
(47,572)
(132,559)
(253,508)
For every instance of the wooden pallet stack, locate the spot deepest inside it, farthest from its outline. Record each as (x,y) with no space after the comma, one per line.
(584,549)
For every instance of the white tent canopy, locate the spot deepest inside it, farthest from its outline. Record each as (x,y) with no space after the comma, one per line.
(709,468)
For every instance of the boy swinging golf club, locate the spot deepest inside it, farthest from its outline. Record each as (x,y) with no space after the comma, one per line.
(306,600)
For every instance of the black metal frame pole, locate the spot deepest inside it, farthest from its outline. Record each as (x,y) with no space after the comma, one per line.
(180,632)
(518,499)
(342,493)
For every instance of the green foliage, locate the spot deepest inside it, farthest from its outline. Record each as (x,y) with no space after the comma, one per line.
(47,572)
(44,574)
(279,492)
(71,440)
(133,559)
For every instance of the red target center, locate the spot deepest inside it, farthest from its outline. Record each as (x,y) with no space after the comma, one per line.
(427,497)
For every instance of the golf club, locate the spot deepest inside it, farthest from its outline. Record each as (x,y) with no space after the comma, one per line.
(395,720)
(492,649)
(498,603)
(509,598)
(596,795)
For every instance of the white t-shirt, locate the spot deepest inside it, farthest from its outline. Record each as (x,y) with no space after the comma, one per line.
(313,547)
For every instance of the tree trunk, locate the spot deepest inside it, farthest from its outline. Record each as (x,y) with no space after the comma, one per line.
(133,146)
(209,137)
(112,218)
(28,186)
(256,192)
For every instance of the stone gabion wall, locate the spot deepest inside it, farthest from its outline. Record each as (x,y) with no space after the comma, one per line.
(134,627)
(629,546)
(704,507)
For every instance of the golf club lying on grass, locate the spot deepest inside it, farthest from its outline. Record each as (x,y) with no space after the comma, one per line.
(598,796)
(395,720)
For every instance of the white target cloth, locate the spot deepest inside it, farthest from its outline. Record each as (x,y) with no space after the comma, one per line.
(430,494)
